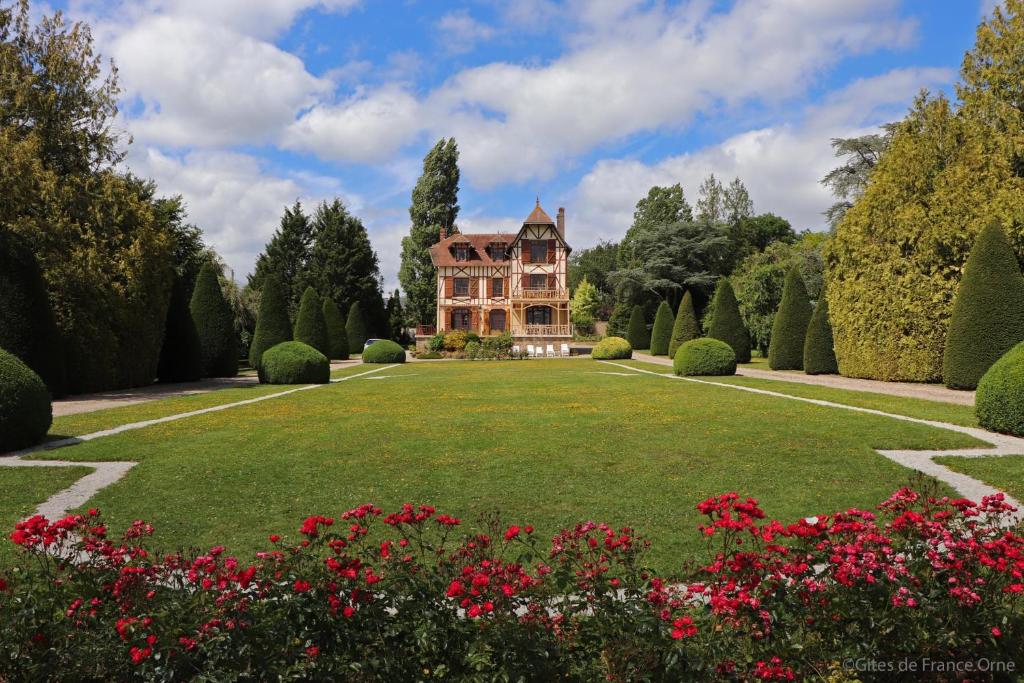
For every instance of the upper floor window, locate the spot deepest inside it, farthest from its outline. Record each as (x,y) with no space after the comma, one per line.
(538,251)
(538,281)
(461,252)
(462,286)
(497,287)
(498,251)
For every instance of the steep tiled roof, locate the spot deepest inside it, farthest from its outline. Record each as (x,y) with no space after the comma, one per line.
(443,254)
(538,216)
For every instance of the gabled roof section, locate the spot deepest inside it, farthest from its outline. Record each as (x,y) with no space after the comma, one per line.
(442,253)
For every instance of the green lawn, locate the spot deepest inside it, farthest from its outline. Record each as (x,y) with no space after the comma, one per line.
(552,442)
(24,488)
(1006,473)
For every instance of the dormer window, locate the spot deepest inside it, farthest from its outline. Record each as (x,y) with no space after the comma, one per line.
(497,251)
(462,252)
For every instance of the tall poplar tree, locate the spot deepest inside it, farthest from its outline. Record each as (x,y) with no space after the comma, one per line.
(433,211)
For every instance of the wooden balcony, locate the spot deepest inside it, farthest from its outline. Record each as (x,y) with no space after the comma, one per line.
(545,294)
(543,331)
(426,330)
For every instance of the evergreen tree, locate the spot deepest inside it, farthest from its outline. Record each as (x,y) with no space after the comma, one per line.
(711,201)
(685,327)
(637,334)
(736,202)
(27,328)
(661,206)
(337,336)
(356,328)
(215,324)
(618,322)
(819,349)
(396,319)
(433,211)
(272,323)
(181,356)
(310,327)
(727,324)
(661,333)
(988,312)
(789,330)
(287,255)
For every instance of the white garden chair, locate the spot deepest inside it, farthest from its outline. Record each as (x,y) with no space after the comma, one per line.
(564,350)
(515,349)
(551,350)
(530,351)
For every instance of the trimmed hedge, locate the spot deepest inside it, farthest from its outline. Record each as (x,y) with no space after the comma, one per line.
(988,312)
(293,362)
(384,351)
(686,326)
(310,327)
(636,332)
(702,357)
(612,348)
(27,327)
(661,333)
(181,356)
(727,323)
(337,336)
(26,411)
(356,329)
(272,324)
(819,348)
(999,403)
(215,324)
(789,330)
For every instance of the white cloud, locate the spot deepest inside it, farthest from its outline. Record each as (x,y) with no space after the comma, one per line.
(460,32)
(781,165)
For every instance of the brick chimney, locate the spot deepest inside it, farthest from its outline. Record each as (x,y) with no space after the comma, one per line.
(560,222)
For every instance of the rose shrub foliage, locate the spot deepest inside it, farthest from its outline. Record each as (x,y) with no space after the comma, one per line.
(407,596)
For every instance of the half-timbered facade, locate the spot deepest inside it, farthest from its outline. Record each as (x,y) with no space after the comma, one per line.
(506,282)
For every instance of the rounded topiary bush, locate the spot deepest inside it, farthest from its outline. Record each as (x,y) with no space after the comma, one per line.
(999,403)
(384,351)
(293,362)
(612,348)
(705,356)
(25,407)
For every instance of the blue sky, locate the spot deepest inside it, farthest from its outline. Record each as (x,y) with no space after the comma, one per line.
(243,106)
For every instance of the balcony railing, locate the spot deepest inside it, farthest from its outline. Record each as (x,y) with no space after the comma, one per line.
(545,293)
(543,331)
(426,330)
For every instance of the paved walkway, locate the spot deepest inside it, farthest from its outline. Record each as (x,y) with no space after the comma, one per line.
(86,403)
(927,392)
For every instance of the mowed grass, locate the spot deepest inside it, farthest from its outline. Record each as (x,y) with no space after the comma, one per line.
(552,442)
(22,489)
(1005,473)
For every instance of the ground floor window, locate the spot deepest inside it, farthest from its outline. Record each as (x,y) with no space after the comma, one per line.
(497,321)
(461,319)
(538,315)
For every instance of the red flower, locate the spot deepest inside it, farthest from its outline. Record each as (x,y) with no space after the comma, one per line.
(274,538)
(347,611)
(512,532)
(683,628)
(140,654)
(996,632)
(312,651)
(455,589)
(301,586)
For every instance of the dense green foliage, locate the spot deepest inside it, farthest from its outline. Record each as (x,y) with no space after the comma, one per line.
(988,312)
(685,326)
(999,402)
(898,254)
(727,324)
(286,256)
(819,348)
(789,330)
(215,325)
(384,351)
(593,264)
(583,307)
(618,321)
(612,348)
(310,326)
(704,356)
(337,336)
(293,362)
(849,180)
(433,210)
(356,329)
(181,356)
(25,408)
(636,331)
(272,324)
(661,333)
(395,315)
(27,328)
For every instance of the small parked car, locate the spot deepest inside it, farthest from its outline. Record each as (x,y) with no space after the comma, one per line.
(369,342)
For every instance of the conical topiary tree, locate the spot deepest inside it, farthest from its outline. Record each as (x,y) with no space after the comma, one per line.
(727,323)
(215,324)
(637,334)
(27,328)
(181,355)
(786,350)
(356,329)
(337,336)
(310,327)
(272,323)
(819,348)
(988,312)
(686,326)
(661,333)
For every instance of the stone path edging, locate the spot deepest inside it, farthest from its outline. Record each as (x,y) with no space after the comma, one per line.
(106,473)
(920,460)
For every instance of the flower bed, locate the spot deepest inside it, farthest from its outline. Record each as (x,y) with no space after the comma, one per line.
(406,595)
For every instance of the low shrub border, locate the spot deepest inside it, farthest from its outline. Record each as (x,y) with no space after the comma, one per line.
(404,595)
